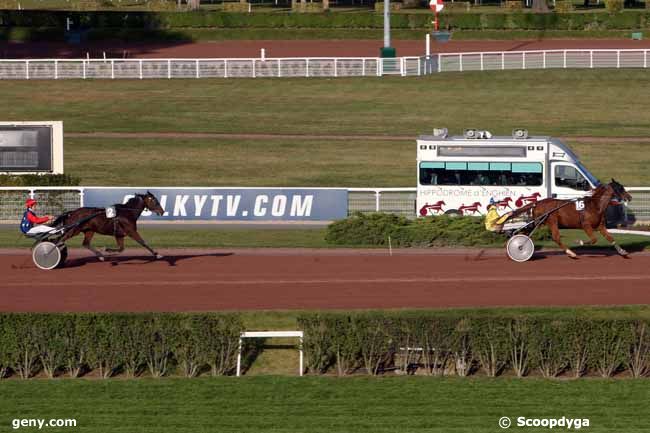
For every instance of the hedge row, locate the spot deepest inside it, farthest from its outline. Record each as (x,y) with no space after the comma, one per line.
(438,231)
(449,343)
(110,344)
(39,180)
(461,21)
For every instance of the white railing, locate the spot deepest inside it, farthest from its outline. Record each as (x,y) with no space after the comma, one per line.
(56,200)
(549,59)
(58,69)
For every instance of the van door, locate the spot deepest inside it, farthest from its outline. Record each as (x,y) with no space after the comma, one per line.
(568,181)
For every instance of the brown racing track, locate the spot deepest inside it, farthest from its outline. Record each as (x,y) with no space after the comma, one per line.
(325,279)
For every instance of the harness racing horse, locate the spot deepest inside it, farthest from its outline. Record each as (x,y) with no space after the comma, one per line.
(91,220)
(587,213)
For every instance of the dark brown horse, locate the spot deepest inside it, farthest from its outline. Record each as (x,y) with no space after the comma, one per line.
(587,213)
(91,220)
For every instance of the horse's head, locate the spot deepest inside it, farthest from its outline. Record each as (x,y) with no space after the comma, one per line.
(619,191)
(152,203)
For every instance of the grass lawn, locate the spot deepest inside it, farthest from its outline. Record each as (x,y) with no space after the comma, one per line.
(293,162)
(323,404)
(554,102)
(225,237)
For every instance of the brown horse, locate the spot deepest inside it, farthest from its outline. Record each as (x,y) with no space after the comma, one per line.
(588,214)
(91,220)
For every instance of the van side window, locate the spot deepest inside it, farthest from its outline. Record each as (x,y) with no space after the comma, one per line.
(481,173)
(569,177)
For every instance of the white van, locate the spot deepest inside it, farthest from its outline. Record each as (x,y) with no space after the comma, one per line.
(459,175)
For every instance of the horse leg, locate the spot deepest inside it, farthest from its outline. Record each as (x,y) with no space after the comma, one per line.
(555,233)
(590,232)
(120,245)
(133,234)
(603,231)
(88,236)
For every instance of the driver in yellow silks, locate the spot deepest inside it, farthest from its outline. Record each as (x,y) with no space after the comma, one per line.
(493,221)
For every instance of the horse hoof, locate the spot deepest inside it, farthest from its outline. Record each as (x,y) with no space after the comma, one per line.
(580,242)
(623,252)
(571,254)
(101,259)
(159,256)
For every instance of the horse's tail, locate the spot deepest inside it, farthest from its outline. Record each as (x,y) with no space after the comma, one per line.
(523,209)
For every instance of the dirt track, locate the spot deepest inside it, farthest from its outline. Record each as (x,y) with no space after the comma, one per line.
(325,279)
(292,48)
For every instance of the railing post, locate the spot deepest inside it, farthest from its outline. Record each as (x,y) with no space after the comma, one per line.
(112,69)
(523,60)
(225,68)
(461,62)
(363,67)
(439,62)
(302,368)
(140,62)
(544,60)
(238,371)
(279,69)
(169,69)
(564,59)
(591,59)
(307,68)
(645,58)
(336,68)
(31,193)
(198,74)
(27,69)
(402,66)
(56,69)
(81,197)
(419,66)
(83,65)
(618,59)
(503,60)
(481,61)
(377,195)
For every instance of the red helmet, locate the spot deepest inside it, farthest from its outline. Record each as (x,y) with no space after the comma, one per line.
(30,202)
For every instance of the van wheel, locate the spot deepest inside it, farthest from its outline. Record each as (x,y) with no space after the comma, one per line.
(453,213)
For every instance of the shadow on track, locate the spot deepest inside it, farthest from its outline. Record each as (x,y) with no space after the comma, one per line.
(171,260)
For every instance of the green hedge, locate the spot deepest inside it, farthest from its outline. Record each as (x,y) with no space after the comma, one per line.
(39,180)
(460,21)
(110,344)
(457,343)
(375,228)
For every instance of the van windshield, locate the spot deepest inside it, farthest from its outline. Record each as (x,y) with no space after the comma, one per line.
(592,179)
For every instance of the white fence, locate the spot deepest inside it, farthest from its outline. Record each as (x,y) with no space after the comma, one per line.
(551,59)
(56,200)
(57,69)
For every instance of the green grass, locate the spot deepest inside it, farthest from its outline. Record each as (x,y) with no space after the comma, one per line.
(562,102)
(225,237)
(293,162)
(320,404)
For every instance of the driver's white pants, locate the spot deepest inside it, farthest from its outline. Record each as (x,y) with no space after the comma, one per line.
(39,229)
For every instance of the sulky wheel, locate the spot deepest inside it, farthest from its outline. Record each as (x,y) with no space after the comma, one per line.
(47,255)
(520,248)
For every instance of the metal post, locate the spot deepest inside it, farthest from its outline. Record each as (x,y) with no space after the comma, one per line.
(302,368)
(591,58)
(503,60)
(523,60)
(83,65)
(169,69)
(279,69)
(140,62)
(197,69)
(377,194)
(336,66)
(31,193)
(225,68)
(81,197)
(307,68)
(27,69)
(419,66)
(112,68)
(481,61)
(428,39)
(461,62)
(564,59)
(380,66)
(239,359)
(618,58)
(544,60)
(645,58)
(56,69)
(439,62)
(254,75)
(402,66)
(363,67)
(386,23)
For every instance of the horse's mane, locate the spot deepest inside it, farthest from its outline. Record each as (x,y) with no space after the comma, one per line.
(133,200)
